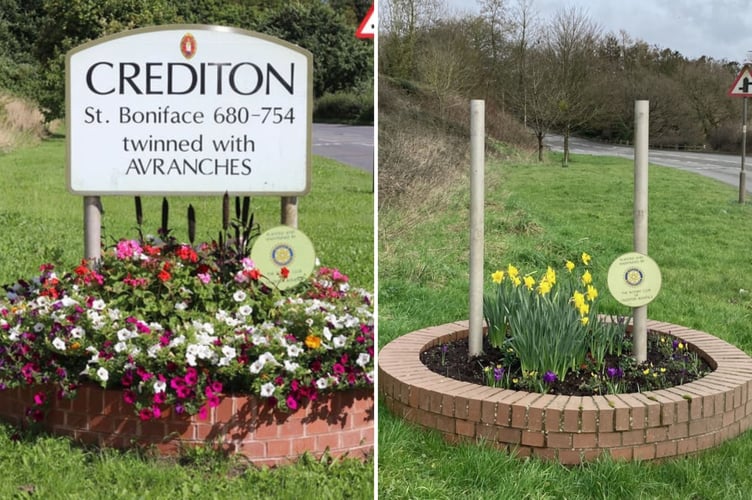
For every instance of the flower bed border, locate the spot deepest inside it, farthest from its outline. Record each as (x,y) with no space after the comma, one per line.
(571,429)
(341,423)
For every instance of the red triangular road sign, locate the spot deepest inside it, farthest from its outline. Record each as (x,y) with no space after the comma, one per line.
(367,28)
(742,86)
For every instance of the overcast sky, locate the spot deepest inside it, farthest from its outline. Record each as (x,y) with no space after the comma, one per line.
(721,29)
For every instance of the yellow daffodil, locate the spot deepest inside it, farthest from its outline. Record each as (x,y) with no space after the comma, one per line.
(529,282)
(586,258)
(512,271)
(578,299)
(551,275)
(544,287)
(663,369)
(584,309)
(584,320)
(498,277)
(516,280)
(569,265)
(646,371)
(587,278)
(591,293)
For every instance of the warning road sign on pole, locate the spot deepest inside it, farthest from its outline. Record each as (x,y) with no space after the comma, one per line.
(367,28)
(742,86)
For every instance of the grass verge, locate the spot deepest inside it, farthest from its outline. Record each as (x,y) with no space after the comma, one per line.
(538,214)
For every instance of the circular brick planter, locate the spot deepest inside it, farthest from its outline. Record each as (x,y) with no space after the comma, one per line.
(341,423)
(573,429)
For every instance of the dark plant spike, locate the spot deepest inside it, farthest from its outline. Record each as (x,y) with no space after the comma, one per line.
(165,217)
(246,208)
(191,224)
(139,212)
(237,207)
(225,211)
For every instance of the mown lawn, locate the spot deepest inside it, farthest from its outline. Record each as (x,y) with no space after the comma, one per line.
(544,214)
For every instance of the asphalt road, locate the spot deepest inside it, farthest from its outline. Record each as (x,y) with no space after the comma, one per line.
(724,168)
(348,144)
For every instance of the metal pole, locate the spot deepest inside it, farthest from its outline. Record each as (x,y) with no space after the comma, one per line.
(289,211)
(640,314)
(477,160)
(92,229)
(742,173)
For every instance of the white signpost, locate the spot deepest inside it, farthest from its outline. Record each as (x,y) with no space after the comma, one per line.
(188,109)
(742,87)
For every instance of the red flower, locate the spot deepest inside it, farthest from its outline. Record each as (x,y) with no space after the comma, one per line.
(284,272)
(164,276)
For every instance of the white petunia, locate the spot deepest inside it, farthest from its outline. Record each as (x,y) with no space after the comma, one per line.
(339,341)
(267,390)
(293,350)
(363,359)
(120,347)
(160,386)
(58,344)
(103,374)
(98,304)
(290,366)
(77,332)
(181,306)
(239,296)
(38,327)
(322,383)
(245,310)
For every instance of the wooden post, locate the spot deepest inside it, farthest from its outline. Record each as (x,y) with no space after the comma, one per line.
(477,160)
(289,211)
(92,229)
(641,141)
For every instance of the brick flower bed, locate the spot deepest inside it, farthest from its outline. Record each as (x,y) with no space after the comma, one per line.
(340,423)
(573,429)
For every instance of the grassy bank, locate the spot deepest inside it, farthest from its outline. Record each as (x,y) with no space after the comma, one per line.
(543,214)
(42,222)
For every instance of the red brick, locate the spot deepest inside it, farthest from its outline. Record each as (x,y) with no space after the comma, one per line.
(589,416)
(605,414)
(621,453)
(445,424)
(631,438)
(465,428)
(572,411)
(644,452)
(533,438)
(584,440)
(555,414)
(609,439)
(678,431)
(302,444)
(278,448)
(570,457)
(331,441)
(665,449)
(559,440)
(621,413)
(656,434)
(688,445)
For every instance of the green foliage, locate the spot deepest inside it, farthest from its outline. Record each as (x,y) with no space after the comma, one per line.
(345,107)
(340,60)
(53,467)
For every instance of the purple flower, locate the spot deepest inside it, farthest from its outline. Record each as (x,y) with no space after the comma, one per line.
(498,372)
(614,372)
(549,377)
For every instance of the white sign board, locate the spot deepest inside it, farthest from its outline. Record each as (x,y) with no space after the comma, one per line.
(189,109)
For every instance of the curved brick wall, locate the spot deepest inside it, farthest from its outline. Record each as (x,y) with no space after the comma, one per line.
(573,429)
(341,422)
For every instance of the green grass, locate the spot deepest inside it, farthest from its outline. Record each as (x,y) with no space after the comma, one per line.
(41,222)
(543,214)
(53,468)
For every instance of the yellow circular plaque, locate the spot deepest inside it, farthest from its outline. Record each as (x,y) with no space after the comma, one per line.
(634,279)
(284,255)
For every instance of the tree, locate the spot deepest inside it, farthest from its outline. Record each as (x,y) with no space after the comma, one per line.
(341,61)
(571,51)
